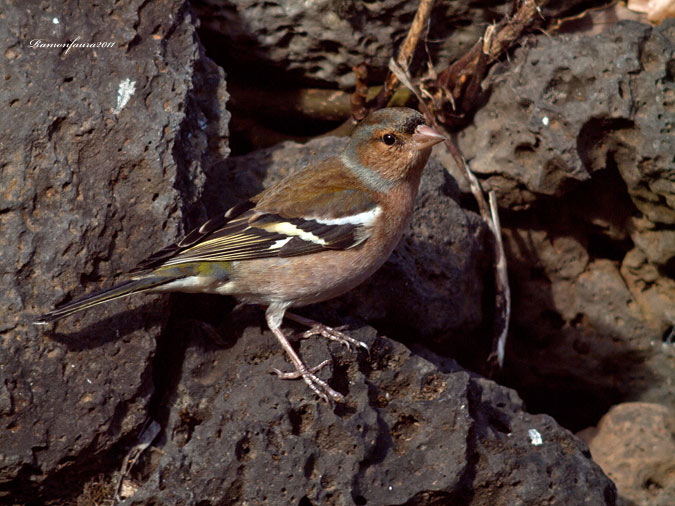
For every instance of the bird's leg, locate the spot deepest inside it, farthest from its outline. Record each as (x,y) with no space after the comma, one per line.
(318,386)
(319,329)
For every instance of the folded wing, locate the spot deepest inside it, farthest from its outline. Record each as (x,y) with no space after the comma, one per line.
(245,232)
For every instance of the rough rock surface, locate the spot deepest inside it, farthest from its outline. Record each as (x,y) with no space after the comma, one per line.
(89,185)
(319,42)
(334,36)
(634,445)
(604,103)
(579,149)
(410,432)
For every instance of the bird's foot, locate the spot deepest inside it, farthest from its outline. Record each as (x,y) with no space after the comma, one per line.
(318,386)
(319,329)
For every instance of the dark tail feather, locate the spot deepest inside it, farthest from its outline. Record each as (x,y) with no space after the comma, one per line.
(116,292)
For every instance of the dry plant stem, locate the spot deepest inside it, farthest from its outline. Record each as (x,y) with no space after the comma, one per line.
(510,30)
(490,215)
(407,50)
(358,101)
(470,70)
(502,288)
(460,82)
(471,178)
(147,436)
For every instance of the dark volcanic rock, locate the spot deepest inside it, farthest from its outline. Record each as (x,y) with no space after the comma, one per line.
(100,153)
(409,431)
(576,139)
(602,103)
(320,42)
(106,155)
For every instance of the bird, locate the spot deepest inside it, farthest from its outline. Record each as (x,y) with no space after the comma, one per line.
(316,234)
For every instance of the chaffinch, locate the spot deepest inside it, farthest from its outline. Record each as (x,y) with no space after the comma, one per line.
(311,237)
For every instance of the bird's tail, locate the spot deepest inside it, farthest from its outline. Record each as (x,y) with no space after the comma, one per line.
(93,299)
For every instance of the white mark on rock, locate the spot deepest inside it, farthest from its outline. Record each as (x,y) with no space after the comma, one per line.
(124,92)
(55,21)
(544,120)
(535,437)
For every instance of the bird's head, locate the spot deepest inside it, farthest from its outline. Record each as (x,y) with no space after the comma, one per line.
(389,146)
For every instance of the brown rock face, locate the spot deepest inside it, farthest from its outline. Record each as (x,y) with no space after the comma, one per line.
(633,443)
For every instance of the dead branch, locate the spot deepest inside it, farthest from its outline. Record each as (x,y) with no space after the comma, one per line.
(406,51)
(502,288)
(488,213)
(358,102)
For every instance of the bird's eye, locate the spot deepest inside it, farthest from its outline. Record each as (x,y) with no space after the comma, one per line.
(389,139)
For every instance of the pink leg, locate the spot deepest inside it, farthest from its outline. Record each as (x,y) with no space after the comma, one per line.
(318,386)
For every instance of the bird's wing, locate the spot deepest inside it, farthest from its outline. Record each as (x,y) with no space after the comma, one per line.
(321,218)
(232,216)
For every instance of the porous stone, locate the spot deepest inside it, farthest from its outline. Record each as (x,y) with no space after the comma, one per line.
(96,168)
(633,443)
(319,42)
(411,431)
(603,103)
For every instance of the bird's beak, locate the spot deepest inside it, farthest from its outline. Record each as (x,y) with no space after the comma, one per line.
(425,137)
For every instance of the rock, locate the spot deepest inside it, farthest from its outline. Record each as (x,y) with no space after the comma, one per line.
(409,431)
(578,148)
(112,153)
(633,443)
(649,271)
(551,124)
(653,292)
(100,155)
(578,331)
(319,42)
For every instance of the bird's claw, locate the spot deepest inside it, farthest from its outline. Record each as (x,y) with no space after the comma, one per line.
(318,386)
(319,329)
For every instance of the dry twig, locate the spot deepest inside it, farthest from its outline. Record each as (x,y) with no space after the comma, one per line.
(488,212)
(147,436)
(358,103)
(503,295)
(406,51)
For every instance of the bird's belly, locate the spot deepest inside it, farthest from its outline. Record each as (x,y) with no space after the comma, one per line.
(305,279)
(316,277)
